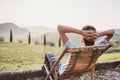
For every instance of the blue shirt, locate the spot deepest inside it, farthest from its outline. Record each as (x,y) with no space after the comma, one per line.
(62,67)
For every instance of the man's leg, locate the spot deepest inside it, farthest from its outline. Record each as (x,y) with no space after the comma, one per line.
(50,59)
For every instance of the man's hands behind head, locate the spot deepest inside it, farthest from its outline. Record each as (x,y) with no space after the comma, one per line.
(90,35)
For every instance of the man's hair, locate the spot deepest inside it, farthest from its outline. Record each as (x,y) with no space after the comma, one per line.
(88,27)
(87,42)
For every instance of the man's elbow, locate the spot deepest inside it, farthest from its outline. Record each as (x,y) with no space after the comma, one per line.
(112,32)
(59,28)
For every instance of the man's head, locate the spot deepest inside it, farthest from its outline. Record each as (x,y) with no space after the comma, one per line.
(88,28)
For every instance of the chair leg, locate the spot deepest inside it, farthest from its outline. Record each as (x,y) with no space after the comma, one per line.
(55,73)
(92,74)
(47,71)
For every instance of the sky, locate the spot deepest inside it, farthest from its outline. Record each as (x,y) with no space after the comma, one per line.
(102,14)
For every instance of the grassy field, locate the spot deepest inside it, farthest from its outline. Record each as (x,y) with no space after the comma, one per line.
(21,56)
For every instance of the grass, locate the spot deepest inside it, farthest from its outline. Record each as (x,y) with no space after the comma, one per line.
(111,54)
(15,56)
(21,56)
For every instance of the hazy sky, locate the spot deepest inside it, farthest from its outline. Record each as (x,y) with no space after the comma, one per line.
(103,14)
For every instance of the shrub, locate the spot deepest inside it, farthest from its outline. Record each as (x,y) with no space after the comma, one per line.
(1,38)
(20,41)
(52,44)
(36,42)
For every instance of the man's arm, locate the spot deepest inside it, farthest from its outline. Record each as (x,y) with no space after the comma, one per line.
(107,33)
(65,29)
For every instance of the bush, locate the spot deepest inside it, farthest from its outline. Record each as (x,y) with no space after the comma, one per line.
(52,44)
(1,38)
(36,43)
(20,41)
(49,43)
(116,43)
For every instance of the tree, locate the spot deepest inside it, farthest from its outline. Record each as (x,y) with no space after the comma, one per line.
(11,35)
(44,40)
(29,38)
(59,42)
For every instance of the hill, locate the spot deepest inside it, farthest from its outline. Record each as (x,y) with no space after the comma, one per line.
(39,30)
(18,33)
(116,36)
(75,38)
(22,33)
(54,37)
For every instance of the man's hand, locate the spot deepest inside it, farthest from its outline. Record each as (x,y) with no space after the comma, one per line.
(90,35)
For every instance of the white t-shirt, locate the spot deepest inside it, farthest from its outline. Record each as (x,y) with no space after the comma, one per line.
(62,67)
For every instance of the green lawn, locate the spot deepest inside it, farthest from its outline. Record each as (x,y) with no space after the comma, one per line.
(111,54)
(106,57)
(15,56)
(21,56)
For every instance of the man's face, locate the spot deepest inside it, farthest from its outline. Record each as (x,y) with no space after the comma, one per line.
(90,35)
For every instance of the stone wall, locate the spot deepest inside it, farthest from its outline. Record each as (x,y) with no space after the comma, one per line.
(104,71)
(23,75)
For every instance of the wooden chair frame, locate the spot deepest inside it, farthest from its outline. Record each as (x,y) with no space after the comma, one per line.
(95,52)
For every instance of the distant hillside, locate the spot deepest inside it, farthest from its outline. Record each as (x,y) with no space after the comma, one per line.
(75,38)
(116,35)
(54,37)
(18,33)
(39,30)
(22,33)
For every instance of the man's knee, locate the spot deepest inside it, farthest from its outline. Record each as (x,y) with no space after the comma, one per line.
(50,58)
(49,55)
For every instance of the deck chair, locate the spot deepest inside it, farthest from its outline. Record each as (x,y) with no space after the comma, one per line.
(82,60)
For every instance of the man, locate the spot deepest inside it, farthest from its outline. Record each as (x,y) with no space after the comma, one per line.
(89,35)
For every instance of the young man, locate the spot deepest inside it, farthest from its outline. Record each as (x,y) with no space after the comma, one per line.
(89,36)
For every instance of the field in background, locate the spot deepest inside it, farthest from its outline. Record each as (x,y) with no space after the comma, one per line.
(21,56)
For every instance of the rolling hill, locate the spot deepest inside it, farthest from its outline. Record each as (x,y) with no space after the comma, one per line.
(37,33)
(116,36)
(75,38)
(22,33)
(39,30)
(18,33)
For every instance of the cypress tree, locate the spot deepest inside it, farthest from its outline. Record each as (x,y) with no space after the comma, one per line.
(11,35)
(29,38)
(44,41)
(59,42)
